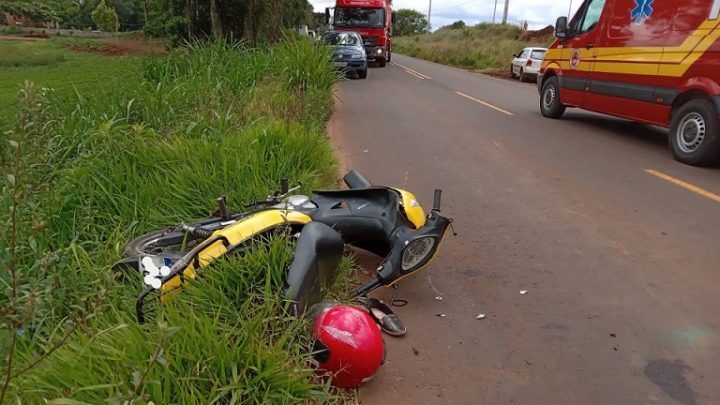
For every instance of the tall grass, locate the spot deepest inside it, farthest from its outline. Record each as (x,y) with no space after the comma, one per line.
(104,166)
(482,47)
(16,54)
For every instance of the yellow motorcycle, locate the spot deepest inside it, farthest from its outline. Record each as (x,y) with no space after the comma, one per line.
(383,220)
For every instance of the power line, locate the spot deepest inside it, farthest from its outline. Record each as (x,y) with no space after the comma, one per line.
(455,6)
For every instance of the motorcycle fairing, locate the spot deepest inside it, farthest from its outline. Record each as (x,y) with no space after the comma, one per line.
(317,255)
(227,238)
(412,208)
(222,242)
(391,268)
(364,217)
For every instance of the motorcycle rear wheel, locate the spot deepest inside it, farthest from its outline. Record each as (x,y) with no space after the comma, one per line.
(170,243)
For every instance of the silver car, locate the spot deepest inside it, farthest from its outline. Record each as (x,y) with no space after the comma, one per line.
(526,63)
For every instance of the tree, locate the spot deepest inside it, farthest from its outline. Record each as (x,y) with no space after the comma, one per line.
(411,22)
(105,17)
(457,25)
(35,10)
(216,19)
(319,23)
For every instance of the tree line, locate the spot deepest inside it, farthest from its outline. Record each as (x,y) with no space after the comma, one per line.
(251,20)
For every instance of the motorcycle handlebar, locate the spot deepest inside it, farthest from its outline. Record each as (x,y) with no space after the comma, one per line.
(355,180)
(367,287)
(437,200)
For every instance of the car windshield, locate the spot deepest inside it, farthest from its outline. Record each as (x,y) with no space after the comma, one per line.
(340,38)
(359,17)
(538,54)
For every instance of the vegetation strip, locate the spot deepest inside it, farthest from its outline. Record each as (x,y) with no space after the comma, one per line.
(483,47)
(87,169)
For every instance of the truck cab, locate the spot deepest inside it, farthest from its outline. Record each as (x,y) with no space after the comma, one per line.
(372,19)
(654,62)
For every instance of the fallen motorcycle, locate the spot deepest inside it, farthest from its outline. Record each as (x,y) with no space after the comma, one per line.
(386,221)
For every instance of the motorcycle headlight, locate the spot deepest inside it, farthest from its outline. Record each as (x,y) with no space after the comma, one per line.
(417,252)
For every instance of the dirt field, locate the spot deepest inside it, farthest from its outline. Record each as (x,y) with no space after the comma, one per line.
(119,47)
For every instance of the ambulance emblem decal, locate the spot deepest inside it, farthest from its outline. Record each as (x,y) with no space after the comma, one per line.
(643,10)
(574,59)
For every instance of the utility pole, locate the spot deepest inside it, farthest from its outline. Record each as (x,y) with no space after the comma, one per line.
(495,11)
(505,14)
(429,14)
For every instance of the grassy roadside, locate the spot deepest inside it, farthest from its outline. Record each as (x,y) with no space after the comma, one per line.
(87,168)
(482,47)
(48,64)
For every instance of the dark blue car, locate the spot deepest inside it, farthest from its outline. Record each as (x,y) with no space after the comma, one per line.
(348,53)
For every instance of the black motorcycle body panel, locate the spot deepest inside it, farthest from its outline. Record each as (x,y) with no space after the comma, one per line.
(365,218)
(317,255)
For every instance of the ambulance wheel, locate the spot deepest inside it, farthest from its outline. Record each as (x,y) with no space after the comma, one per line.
(550,105)
(695,133)
(381,62)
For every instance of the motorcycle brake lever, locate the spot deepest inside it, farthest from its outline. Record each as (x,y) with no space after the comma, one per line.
(452,227)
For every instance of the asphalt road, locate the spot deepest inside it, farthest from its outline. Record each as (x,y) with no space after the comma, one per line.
(616,244)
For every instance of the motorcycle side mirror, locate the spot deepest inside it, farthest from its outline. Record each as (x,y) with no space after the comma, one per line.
(284,185)
(561,27)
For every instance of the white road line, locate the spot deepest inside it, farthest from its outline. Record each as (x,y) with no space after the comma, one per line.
(484,103)
(412,70)
(414,74)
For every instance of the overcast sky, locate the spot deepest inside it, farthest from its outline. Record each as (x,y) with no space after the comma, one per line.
(538,13)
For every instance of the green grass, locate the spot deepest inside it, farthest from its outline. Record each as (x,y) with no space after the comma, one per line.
(49,64)
(98,164)
(482,47)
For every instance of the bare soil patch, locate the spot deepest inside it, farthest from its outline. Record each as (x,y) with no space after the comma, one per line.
(539,35)
(120,47)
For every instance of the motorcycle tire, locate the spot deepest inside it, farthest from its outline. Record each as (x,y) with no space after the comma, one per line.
(167,243)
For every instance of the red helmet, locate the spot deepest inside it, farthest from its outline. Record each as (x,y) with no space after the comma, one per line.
(349,345)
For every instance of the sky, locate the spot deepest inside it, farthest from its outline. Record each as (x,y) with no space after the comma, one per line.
(538,13)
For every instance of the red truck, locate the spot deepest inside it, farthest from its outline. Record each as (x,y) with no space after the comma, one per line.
(373,20)
(656,62)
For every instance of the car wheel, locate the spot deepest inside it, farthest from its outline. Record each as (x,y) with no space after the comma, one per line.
(363,74)
(550,105)
(512,71)
(522,75)
(381,62)
(695,133)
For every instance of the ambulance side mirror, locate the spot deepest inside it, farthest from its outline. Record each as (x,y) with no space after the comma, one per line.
(394,18)
(561,27)
(327,15)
